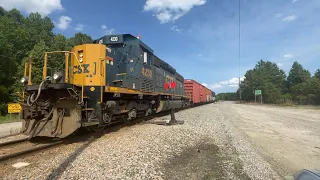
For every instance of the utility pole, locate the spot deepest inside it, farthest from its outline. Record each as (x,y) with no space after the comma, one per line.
(240,87)
(239,54)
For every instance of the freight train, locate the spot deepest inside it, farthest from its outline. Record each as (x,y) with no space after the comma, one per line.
(116,78)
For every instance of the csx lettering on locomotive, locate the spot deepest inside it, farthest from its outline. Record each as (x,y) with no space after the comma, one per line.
(78,70)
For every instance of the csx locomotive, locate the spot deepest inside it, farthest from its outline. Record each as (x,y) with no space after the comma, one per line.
(115,78)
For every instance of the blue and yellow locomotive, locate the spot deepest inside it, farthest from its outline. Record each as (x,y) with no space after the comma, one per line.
(116,78)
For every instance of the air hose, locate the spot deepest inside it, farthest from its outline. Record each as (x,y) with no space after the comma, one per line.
(31,98)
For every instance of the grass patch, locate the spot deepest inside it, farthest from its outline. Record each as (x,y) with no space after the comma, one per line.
(287,105)
(9,119)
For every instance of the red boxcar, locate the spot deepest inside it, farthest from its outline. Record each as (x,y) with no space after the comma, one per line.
(197,92)
(192,89)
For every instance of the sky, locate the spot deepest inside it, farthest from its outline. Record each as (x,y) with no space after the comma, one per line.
(200,38)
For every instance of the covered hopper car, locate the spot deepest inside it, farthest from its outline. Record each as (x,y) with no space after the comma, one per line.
(114,79)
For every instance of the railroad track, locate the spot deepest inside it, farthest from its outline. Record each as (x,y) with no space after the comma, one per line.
(20,147)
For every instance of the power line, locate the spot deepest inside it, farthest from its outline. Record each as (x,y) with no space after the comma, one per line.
(239,50)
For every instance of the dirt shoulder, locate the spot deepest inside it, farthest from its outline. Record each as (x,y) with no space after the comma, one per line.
(8,129)
(288,138)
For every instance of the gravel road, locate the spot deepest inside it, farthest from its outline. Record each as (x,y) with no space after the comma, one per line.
(217,141)
(288,138)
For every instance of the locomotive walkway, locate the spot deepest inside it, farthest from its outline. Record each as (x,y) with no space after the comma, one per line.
(8,129)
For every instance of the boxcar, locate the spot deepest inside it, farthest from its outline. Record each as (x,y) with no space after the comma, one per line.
(199,94)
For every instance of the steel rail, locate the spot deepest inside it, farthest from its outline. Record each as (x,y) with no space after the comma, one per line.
(23,152)
(13,142)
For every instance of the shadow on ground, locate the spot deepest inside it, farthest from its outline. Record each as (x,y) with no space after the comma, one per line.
(204,161)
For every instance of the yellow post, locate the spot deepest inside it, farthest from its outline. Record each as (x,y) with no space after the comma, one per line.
(102,78)
(67,68)
(25,68)
(45,66)
(29,77)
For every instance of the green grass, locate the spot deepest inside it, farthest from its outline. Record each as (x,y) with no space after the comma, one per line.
(317,107)
(287,105)
(9,119)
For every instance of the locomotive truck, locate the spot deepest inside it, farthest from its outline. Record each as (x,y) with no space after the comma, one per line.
(114,79)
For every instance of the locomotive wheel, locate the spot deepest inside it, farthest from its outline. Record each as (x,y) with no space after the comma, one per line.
(97,128)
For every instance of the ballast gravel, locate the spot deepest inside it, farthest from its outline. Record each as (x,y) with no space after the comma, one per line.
(206,146)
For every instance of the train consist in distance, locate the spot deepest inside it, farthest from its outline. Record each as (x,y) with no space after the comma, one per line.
(114,79)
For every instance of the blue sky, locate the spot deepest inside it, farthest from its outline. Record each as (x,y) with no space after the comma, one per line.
(198,37)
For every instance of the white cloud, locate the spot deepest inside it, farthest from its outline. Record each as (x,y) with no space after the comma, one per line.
(109,31)
(215,86)
(233,82)
(279,64)
(171,10)
(103,26)
(64,22)
(293,1)
(43,7)
(175,28)
(288,56)
(106,30)
(79,27)
(224,83)
(279,15)
(205,84)
(289,18)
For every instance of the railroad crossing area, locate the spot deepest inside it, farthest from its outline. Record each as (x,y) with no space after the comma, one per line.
(216,141)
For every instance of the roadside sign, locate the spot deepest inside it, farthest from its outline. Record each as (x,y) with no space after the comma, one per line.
(257,92)
(14,108)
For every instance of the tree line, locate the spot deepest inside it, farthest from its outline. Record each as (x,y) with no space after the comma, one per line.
(228,96)
(27,38)
(299,87)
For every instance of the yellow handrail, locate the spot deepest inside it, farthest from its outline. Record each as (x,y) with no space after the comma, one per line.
(102,73)
(30,68)
(45,67)
(66,68)
(26,65)
(44,72)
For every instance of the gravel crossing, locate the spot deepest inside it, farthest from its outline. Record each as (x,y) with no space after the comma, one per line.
(207,146)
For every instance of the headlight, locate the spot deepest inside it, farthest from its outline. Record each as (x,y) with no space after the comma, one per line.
(81,56)
(57,76)
(24,80)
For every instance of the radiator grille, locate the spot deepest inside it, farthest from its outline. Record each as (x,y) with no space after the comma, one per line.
(147,85)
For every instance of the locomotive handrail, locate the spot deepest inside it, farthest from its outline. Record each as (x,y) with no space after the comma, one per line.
(28,66)
(103,72)
(66,68)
